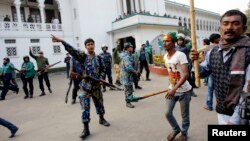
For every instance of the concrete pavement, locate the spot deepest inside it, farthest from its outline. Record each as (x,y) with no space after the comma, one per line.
(48,118)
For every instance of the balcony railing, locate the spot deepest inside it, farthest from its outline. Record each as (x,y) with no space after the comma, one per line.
(144,19)
(15,26)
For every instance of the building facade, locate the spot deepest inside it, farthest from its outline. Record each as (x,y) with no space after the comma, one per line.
(106,21)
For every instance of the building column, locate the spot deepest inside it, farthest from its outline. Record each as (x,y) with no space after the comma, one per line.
(137,7)
(142,3)
(132,5)
(125,10)
(41,8)
(17,4)
(119,8)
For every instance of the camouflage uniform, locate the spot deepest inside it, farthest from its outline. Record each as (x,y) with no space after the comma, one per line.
(92,66)
(127,67)
(107,59)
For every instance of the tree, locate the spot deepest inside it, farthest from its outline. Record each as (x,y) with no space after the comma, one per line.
(248,17)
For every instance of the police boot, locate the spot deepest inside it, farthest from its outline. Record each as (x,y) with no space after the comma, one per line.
(136,85)
(103,121)
(85,133)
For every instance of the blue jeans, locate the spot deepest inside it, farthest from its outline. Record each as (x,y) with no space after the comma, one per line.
(210,92)
(8,125)
(184,100)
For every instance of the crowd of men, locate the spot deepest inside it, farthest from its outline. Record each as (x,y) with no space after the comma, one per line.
(225,63)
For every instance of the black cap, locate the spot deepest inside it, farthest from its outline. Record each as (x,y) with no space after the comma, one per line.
(6,59)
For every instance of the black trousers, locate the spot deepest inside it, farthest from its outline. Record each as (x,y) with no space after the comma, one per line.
(108,72)
(46,79)
(11,87)
(135,80)
(25,83)
(75,89)
(144,64)
(6,85)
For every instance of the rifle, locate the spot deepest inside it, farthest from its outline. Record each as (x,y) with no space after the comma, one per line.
(67,94)
(135,99)
(79,77)
(43,70)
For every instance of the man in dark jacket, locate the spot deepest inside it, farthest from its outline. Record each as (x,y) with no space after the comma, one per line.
(228,63)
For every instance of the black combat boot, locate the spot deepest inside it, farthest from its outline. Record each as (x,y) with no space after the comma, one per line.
(26,96)
(85,132)
(136,85)
(103,121)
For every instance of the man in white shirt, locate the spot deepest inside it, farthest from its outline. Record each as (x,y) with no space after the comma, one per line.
(179,88)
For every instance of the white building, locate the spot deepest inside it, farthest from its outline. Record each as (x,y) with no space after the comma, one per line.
(106,21)
(207,22)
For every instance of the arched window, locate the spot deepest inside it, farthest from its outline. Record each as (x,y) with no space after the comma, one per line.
(204,25)
(185,22)
(201,25)
(210,25)
(197,25)
(189,23)
(180,21)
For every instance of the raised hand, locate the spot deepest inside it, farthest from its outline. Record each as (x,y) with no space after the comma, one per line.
(56,39)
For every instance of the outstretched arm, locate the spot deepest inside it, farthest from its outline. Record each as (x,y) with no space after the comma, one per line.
(79,56)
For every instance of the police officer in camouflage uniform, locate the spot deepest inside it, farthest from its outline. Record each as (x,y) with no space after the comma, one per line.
(75,67)
(107,59)
(127,68)
(93,66)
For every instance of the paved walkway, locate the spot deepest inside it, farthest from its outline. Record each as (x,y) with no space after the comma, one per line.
(48,118)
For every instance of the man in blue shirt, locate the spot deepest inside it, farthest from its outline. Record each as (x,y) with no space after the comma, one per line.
(75,67)
(128,71)
(107,59)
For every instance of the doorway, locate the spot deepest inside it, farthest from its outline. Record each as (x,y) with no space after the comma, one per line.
(126,40)
(49,15)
